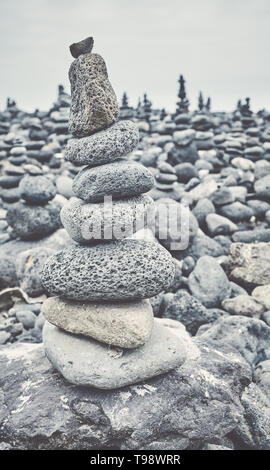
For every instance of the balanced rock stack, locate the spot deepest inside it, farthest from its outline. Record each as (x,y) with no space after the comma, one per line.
(100,329)
(37,214)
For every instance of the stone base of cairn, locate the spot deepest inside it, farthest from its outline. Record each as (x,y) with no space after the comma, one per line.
(100,329)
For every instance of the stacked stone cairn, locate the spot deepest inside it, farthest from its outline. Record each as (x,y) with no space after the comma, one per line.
(100,329)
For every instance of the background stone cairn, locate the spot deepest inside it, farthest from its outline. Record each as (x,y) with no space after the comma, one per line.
(100,329)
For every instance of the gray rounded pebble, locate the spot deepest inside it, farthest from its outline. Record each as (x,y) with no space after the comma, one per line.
(117,179)
(27,318)
(87,362)
(104,146)
(126,269)
(87,222)
(37,189)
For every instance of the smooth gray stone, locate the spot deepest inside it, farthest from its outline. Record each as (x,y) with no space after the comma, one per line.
(86,222)
(185,171)
(85,361)
(208,282)
(262,295)
(202,245)
(222,196)
(37,189)
(104,146)
(259,207)
(82,47)
(184,138)
(262,187)
(26,317)
(217,224)
(236,211)
(126,269)
(252,236)
(64,186)
(93,101)
(183,154)
(117,179)
(166,178)
(202,209)
(10,195)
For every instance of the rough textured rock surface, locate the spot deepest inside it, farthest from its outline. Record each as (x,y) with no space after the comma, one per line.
(118,179)
(188,310)
(122,324)
(37,189)
(84,361)
(93,101)
(253,428)
(8,276)
(104,146)
(127,269)
(191,405)
(208,282)
(243,305)
(86,222)
(250,263)
(262,376)
(250,336)
(33,222)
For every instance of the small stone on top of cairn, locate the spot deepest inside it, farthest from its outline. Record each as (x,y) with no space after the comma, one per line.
(82,47)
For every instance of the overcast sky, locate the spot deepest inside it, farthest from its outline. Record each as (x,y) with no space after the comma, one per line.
(220,46)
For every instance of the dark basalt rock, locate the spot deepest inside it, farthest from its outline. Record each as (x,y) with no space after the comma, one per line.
(82,47)
(33,222)
(37,189)
(195,403)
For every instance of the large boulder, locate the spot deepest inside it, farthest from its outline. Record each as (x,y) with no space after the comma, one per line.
(182,409)
(85,361)
(250,336)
